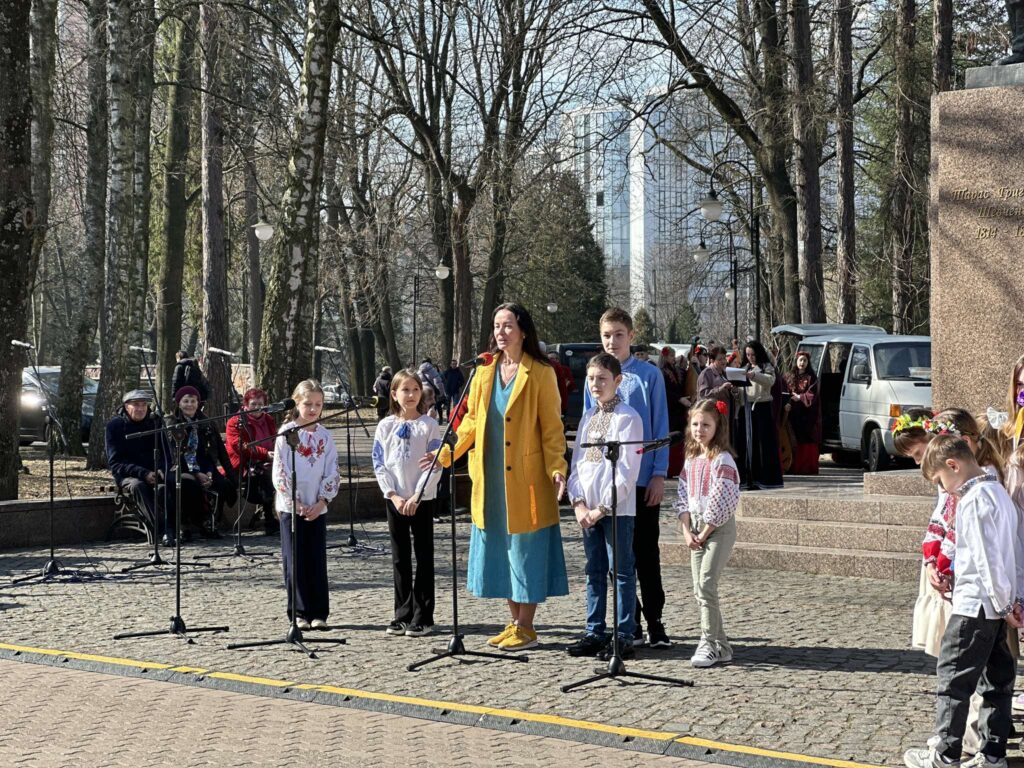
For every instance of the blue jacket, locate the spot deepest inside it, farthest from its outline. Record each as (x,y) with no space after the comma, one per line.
(643,389)
(130,458)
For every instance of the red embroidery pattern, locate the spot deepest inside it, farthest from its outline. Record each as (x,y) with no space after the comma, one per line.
(311,451)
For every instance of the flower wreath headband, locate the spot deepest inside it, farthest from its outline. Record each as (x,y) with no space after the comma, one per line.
(929,424)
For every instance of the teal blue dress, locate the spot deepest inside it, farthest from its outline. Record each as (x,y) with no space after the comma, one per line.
(522,567)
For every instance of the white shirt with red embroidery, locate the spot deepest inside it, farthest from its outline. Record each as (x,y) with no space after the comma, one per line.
(709,490)
(316,468)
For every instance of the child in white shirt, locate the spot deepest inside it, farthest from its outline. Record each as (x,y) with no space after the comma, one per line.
(975,653)
(590,490)
(402,437)
(709,492)
(316,472)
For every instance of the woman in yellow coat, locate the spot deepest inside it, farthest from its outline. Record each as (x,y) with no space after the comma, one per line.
(513,433)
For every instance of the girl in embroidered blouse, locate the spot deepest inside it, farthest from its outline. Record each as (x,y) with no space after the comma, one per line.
(316,473)
(709,492)
(400,440)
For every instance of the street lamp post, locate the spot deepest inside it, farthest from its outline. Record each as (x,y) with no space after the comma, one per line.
(711,210)
(441,272)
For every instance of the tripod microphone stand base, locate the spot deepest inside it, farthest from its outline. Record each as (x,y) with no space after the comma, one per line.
(177,629)
(617,669)
(54,570)
(457,648)
(293,638)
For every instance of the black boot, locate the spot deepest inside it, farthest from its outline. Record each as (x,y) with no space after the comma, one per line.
(1015,15)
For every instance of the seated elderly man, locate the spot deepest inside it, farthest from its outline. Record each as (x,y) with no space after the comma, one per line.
(131,461)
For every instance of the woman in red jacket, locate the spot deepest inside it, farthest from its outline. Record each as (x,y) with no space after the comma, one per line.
(254,463)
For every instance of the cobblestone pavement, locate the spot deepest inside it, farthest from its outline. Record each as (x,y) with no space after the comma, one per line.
(61,718)
(822,664)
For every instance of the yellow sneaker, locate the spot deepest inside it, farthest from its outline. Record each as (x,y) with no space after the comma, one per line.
(519,640)
(502,636)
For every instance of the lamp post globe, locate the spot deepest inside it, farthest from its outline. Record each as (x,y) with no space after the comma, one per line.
(263,230)
(711,207)
(441,272)
(701,253)
(552,307)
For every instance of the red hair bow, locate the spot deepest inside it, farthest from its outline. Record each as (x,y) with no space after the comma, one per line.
(721,407)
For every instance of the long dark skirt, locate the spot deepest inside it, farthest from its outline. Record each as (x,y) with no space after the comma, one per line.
(764,458)
(311,598)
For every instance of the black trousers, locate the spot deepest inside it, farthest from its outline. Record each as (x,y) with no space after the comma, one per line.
(765,464)
(147,499)
(974,655)
(646,532)
(191,502)
(414,596)
(312,600)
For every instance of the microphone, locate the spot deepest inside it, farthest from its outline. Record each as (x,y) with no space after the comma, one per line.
(284,405)
(672,438)
(485,358)
(332,350)
(143,349)
(22,344)
(224,352)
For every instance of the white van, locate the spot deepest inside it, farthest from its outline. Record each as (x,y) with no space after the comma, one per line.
(866,380)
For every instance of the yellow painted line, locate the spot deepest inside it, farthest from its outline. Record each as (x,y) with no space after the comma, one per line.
(249,679)
(530,717)
(797,758)
(85,657)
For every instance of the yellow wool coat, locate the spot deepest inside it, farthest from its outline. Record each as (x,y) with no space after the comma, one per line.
(534,444)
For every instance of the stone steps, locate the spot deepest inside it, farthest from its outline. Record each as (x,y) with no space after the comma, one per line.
(839,531)
(904,482)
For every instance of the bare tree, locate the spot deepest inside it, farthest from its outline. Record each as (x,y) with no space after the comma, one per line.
(846,239)
(76,355)
(286,348)
(16,219)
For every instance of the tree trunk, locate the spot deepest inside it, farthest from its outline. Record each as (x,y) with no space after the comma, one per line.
(118,283)
(942,45)
(44,47)
(142,63)
(463,278)
(806,165)
(175,203)
(215,268)
(77,355)
(440,203)
(285,353)
(494,286)
(901,219)
(256,289)
(16,219)
(846,240)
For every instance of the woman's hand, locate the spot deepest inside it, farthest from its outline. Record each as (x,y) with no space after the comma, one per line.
(655,491)
(204,479)
(559,487)
(684,401)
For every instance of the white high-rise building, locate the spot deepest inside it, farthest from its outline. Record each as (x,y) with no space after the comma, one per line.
(644,201)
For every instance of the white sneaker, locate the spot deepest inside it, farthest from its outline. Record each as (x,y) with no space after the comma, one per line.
(981,761)
(929,758)
(1018,703)
(302,624)
(706,655)
(724,657)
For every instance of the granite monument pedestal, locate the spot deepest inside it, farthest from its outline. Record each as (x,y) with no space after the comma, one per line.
(976,222)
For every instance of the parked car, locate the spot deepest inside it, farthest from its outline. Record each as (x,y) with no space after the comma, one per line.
(32,411)
(575,356)
(866,380)
(331,394)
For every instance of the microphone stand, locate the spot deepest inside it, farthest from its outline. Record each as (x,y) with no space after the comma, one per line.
(352,544)
(243,424)
(53,431)
(456,647)
(159,456)
(294,634)
(616,667)
(177,626)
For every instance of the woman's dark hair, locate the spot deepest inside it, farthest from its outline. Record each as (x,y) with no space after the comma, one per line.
(760,353)
(531,343)
(810,368)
